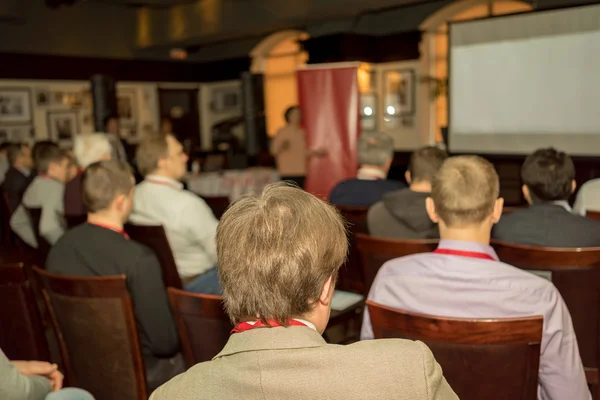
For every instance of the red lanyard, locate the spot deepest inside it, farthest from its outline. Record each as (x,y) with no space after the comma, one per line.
(119,231)
(470,254)
(245,326)
(44,176)
(165,183)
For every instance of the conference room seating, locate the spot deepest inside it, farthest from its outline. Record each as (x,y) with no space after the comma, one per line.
(202,324)
(508,210)
(481,359)
(576,274)
(8,236)
(154,237)
(595,215)
(375,252)
(351,276)
(75,220)
(217,204)
(43,249)
(22,336)
(97,334)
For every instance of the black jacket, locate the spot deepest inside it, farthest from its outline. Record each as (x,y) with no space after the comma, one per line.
(362,192)
(547,225)
(14,185)
(402,215)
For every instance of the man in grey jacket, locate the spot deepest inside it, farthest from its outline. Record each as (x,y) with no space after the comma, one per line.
(34,380)
(45,192)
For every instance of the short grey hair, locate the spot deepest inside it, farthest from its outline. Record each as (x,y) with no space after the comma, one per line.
(375,148)
(90,148)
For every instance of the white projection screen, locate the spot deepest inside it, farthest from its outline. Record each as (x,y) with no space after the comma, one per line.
(525,81)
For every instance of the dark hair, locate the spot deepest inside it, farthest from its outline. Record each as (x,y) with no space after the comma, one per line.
(14,150)
(4,146)
(36,147)
(548,174)
(103,181)
(288,113)
(48,153)
(106,120)
(425,163)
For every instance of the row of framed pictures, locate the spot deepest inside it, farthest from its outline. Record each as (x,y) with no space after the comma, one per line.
(62,126)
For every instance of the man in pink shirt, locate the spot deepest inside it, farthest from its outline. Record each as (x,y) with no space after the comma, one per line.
(464,279)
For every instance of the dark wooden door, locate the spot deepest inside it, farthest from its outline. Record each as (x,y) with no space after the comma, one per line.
(181,107)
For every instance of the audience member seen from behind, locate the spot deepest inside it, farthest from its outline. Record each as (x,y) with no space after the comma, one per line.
(19,175)
(286,238)
(102,248)
(4,164)
(464,279)
(189,223)
(375,154)
(34,380)
(290,149)
(112,131)
(588,198)
(402,214)
(46,191)
(88,149)
(548,182)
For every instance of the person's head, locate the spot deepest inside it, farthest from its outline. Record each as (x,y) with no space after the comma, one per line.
(4,148)
(111,125)
(464,197)
(52,161)
(375,149)
(73,167)
(166,126)
(161,155)
(293,115)
(91,147)
(424,164)
(548,175)
(36,148)
(279,254)
(19,155)
(108,188)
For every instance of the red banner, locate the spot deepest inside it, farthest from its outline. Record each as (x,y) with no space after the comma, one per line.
(329,99)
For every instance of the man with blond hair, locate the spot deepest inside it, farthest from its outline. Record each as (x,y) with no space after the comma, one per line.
(87,148)
(269,244)
(464,279)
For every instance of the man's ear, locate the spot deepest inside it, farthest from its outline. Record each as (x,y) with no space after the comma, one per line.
(573,186)
(526,194)
(327,292)
(408,177)
(497,211)
(430,207)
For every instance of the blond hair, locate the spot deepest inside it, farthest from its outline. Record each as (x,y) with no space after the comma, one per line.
(465,190)
(149,152)
(276,251)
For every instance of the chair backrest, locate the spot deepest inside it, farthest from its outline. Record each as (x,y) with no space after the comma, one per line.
(97,334)
(351,274)
(593,215)
(218,204)
(75,220)
(203,326)
(481,359)
(576,275)
(375,252)
(22,333)
(155,237)
(43,249)
(509,209)
(5,214)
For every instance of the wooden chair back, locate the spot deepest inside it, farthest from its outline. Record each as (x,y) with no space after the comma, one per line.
(509,209)
(43,249)
(202,324)
(576,274)
(218,204)
(481,359)
(595,215)
(5,214)
(75,220)
(155,237)
(351,276)
(97,334)
(375,252)
(22,333)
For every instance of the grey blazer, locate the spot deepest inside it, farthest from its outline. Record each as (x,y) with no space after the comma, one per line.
(16,386)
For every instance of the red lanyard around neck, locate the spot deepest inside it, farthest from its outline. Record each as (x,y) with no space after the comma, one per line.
(45,176)
(245,326)
(470,254)
(164,183)
(112,228)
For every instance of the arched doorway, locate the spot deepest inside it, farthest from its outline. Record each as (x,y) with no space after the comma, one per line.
(434,48)
(277,57)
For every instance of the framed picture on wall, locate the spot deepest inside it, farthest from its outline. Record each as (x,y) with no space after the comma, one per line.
(127,107)
(62,125)
(18,133)
(399,92)
(15,106)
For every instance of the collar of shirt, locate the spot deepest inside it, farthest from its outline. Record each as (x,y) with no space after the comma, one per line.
(370,174)
(461,245)
(564,204)
(24,171)
(305,322)
(162,180)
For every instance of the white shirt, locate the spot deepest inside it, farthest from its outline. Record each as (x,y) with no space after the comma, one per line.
(189,223)
(588,197)
(370,174)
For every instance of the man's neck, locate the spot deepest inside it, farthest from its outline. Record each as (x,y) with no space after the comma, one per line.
(163,174)
(421,187)
(371,172)
(106,218)
(478,234)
